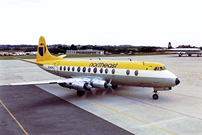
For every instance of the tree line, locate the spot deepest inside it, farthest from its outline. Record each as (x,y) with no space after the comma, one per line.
(58,48)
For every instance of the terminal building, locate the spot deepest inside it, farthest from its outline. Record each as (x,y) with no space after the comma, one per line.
(87,51)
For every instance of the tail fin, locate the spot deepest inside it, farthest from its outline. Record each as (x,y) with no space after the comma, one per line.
(169,45)
(42,52)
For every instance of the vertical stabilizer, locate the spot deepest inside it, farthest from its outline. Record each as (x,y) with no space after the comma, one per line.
(169,45)
(42,52)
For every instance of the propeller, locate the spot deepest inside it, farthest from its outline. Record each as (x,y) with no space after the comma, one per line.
(109,86)
(89,82)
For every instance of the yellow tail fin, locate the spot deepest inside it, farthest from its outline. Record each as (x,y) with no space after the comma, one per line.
(42,52)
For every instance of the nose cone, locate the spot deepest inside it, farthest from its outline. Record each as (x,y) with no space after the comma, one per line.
(177,81)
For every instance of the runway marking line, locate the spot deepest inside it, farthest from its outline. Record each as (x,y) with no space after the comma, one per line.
(128,116)
(186,75)
(119,112)
(200,75)
(14,118)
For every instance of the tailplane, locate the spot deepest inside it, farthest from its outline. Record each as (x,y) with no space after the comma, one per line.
(42,52)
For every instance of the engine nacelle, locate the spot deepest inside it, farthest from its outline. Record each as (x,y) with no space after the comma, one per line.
(77,85)
(96,83)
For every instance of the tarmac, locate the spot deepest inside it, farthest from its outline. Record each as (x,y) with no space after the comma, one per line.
(51,109)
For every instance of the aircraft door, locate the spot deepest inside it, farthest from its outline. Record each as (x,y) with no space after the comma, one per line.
(56,66)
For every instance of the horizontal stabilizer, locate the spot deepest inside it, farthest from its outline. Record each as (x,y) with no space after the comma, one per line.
(62,56)
(28,61)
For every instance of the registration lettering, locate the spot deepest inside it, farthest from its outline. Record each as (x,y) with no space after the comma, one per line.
(50,67)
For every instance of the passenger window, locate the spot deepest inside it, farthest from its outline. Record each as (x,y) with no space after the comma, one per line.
(113,71)
(106,70)
(60,67)
(64,68)
(68,68)
(84,69)
(72,68)
(101,70)
(128,72)
(89,69)
(95,70)
(136,72)
(78,69)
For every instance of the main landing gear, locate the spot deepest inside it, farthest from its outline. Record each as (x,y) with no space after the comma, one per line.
(155,95)
(80,93)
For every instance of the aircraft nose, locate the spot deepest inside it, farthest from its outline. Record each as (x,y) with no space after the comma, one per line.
(177,81)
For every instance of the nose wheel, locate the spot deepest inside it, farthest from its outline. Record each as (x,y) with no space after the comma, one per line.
(155,95)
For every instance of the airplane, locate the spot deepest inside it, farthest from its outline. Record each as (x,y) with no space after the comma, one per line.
(84,75)
(184,51)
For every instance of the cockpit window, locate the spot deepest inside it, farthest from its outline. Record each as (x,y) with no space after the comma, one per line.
(159,68)
(156,68)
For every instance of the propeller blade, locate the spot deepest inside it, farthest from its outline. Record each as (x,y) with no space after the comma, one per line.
(104,92)
(94,92)
(113,91)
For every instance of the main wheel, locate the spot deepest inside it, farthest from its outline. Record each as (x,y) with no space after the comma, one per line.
(155,96)
(80,93)
(114,86)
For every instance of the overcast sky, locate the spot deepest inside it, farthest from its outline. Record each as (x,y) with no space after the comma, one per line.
(101,22)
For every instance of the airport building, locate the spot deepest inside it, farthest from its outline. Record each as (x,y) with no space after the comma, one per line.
(87,51)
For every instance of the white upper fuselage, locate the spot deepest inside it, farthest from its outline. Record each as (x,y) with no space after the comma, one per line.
(184,51)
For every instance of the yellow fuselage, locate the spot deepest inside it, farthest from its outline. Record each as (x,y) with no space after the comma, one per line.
(120,72)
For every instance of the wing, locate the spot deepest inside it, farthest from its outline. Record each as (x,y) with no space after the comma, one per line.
(82,84)
(58,81)
(39,82)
